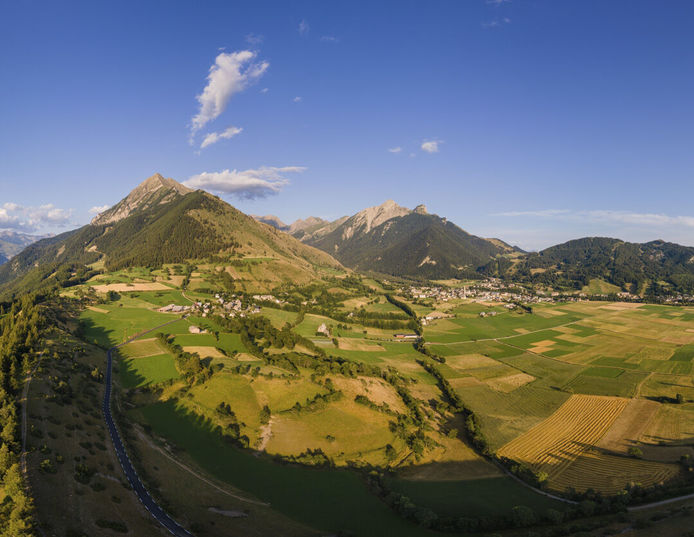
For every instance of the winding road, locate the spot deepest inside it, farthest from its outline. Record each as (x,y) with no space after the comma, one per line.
(147,501)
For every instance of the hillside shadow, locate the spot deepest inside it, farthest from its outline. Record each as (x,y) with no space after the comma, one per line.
(322,497)
(97,335)
(128,377)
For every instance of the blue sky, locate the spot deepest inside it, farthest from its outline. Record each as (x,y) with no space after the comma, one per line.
(532,121)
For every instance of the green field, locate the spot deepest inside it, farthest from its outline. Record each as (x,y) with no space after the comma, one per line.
(475,497)
(135,372)
(120,324)
(325,499)
(513,370)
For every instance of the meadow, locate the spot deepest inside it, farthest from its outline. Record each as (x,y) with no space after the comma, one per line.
(554,389)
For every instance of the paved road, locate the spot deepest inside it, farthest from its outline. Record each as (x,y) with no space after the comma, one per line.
(157,512)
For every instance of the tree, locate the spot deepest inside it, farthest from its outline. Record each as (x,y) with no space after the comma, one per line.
(265,415)
(7,459)
(523,516)
(13,481)
(635,452)
(680,398)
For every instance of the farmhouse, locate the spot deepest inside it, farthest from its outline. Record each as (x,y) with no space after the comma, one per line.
(196,330)
(173,308)
(406,336)
(323,329)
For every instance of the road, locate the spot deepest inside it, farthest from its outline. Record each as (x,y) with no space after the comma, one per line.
(147,501)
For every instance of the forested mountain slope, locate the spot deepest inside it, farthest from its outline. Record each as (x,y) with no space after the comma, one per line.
(168,224)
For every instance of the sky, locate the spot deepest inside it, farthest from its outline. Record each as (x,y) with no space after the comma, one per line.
(535,122)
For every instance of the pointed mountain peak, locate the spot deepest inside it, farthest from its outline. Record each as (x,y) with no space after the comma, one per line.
(154,190)
(375,216)
(158,181)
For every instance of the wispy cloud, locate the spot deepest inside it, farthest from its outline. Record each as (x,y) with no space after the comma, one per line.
(297,99)
(497,2)
(214,137)
(98,209)
(431,146)
(31,219)
(247,184)
(264,90)
(329,39)
(304,27)
(496,23)
(540,213)
(599,216)
(254,39)
(231,73)
(395,149)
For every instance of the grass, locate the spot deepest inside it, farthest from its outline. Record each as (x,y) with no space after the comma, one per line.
(322,498)
(467,325)
(685,353)
(475,497)
(135,372)
(109,329)
(605,372)
(623,385)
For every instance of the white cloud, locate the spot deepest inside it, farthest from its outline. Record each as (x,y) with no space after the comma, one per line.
(231,73)
(395,149)
(214,137)
(30,219)
(98,209)
(431,146)
(264,90)
(297,99)
(304,27)
(329,39)
(498,2)
(248,184)
(254,39)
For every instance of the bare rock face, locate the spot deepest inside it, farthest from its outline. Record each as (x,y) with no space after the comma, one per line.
(420,209)
(154,190)
(364,221)
(306,224)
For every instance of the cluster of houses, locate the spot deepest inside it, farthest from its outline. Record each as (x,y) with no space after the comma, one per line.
(489,290)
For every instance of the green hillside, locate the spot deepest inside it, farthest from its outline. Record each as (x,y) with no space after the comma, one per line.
(158,226)
(624,264)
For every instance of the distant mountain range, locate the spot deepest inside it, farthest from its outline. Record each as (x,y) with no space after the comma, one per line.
(392,239)
(13,242)
(162,221)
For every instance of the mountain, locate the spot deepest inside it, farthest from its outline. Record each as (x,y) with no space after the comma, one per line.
(155,190)
(392,239)
(13,242)
(160,221)
(271,220)
(631,266)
